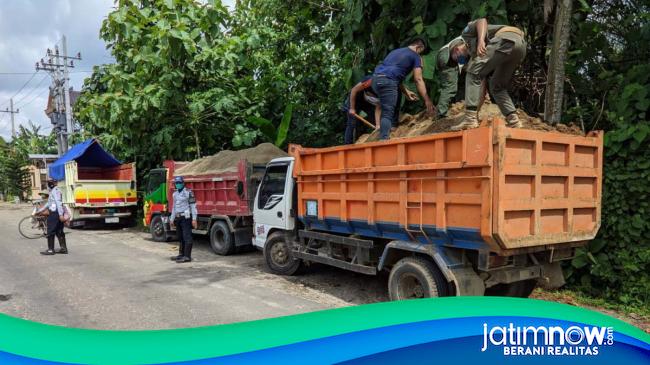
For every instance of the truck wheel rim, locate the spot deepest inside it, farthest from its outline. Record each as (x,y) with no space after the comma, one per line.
(279,253)
(410,287)
(158,229)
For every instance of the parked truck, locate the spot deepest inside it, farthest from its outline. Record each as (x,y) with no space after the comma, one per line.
(491,210)
(96,186)
(223,197)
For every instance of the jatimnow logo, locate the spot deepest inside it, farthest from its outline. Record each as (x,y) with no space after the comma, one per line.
(547,340)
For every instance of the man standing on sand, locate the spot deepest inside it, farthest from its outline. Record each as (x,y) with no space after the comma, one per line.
(361,97)
(449,71)
(389,75)
(494,52)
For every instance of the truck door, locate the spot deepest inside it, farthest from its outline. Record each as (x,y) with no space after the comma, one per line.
(273,201)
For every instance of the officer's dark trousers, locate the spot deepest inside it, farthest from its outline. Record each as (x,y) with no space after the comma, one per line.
(54,228)
(184,232)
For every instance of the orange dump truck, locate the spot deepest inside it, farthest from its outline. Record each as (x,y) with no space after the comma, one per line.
(491,210)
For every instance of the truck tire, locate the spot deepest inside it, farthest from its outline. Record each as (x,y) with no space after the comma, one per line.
(518,289)
(278,257)
(416,277)
(221,239)
(157,230)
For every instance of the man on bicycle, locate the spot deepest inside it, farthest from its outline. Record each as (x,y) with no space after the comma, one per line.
(54,220)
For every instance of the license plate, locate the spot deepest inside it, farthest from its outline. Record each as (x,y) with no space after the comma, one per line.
(112,220)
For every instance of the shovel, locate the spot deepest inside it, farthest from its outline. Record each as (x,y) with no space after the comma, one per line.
(364,121)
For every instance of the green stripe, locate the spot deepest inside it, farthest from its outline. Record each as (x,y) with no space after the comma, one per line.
(92,346)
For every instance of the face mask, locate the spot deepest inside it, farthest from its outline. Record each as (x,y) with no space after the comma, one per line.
(179,186)
(461,59)
(50,185)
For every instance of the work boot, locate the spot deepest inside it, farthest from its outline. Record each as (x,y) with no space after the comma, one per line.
(50,247)
(188,251)
(183,259)
(512,120)
(64,248)
(174,258)
(470,120)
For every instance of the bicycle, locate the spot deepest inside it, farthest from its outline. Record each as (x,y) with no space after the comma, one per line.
(35,225)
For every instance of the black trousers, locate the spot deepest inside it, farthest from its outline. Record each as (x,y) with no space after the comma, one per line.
(54,228)
(54,225)
(184,232)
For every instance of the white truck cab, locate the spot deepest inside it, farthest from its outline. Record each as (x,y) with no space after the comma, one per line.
(273,209)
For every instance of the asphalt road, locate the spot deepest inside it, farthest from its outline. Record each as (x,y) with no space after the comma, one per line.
(120,279)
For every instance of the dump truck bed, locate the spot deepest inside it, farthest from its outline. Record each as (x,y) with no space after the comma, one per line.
(228,193)
(491,188)
(99,186)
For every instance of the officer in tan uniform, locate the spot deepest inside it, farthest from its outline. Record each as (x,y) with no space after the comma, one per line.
(449,71)
(494,52)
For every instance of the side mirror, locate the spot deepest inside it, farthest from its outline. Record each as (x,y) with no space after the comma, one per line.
(240,188)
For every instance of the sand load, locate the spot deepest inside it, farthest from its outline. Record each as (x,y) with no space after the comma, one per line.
(419,124)
(227,160)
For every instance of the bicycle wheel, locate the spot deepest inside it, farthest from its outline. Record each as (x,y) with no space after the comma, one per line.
(32,228)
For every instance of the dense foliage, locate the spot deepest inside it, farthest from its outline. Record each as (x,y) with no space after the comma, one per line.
(191,78)
(617,263)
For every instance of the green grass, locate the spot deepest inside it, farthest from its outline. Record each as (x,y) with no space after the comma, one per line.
(580,298)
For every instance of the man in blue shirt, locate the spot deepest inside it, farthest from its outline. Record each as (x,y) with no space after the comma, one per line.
(389,75)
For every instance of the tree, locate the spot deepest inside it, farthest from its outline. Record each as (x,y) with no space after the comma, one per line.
(14,174)
(29,140)
(150,94)
(556,69)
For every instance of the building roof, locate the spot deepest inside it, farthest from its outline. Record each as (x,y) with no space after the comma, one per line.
(41,156)
(49,109)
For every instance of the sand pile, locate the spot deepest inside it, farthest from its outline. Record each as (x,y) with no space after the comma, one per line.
(227,160)
(419,124)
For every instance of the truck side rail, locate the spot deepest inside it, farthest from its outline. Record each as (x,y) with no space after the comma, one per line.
(318,248)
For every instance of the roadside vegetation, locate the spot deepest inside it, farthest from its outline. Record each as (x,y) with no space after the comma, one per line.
(191,78)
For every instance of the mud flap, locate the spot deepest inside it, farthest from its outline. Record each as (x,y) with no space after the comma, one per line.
(467,282)
(552,276)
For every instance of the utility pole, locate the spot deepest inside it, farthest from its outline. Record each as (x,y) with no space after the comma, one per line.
(11,111)
(57,66)
(66,89)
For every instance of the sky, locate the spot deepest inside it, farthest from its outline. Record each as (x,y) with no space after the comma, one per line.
(27,29)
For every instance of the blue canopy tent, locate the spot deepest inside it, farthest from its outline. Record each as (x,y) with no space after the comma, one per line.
(88,153)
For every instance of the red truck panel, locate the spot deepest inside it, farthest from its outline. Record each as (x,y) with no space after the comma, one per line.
(121,172)
(216,194)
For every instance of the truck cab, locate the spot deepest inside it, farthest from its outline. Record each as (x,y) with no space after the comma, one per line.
(274,213)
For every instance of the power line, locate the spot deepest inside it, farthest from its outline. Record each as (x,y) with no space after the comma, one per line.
(22,87)
(32,90)
(29,73)
(34,98)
